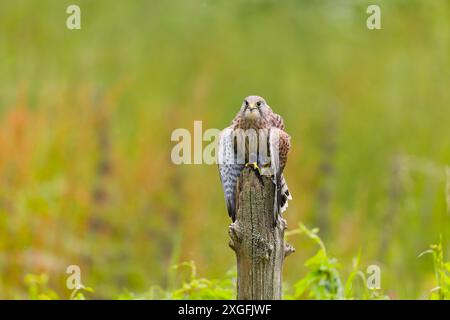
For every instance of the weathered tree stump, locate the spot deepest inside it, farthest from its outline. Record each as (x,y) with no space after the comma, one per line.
(259,245)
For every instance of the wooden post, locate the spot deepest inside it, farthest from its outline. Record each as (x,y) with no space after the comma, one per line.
(259,245)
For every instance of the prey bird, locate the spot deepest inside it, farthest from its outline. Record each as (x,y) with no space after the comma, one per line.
(256,138)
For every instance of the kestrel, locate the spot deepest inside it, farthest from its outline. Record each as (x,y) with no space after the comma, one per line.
(255,137)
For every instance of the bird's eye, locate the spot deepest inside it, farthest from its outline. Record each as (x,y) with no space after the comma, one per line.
(259,103)
(246,103)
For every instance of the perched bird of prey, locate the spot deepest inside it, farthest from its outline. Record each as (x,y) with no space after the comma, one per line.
(256,137)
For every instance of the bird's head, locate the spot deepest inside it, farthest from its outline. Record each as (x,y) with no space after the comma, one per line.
(254,108)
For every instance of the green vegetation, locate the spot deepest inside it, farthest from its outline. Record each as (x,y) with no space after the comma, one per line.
(323,281)
(86,118)
(442,272)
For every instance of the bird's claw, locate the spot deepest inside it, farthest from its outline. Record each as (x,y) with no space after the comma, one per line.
(254,166)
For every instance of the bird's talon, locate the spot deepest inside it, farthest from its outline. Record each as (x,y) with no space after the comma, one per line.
(254,166)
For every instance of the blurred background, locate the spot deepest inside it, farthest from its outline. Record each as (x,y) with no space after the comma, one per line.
(86,118)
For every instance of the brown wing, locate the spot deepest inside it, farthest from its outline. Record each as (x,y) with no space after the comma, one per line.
(285,146)
(279,145)
(277,121)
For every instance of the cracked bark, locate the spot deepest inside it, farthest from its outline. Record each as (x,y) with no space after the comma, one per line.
(259,245)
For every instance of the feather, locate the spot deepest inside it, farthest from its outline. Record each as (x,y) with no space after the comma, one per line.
(229,170)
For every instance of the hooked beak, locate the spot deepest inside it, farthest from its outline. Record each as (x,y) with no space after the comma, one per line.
(252,107)
(252,112)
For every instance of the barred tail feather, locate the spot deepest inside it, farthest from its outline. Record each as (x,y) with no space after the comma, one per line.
(284,196)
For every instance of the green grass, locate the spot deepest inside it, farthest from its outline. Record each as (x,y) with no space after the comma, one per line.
(322,282)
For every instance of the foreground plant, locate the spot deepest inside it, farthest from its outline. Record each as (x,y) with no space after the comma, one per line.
(323,280)
(441,272)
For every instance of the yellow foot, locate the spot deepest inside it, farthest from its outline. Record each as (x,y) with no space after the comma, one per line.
(266,169)
(254,165)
